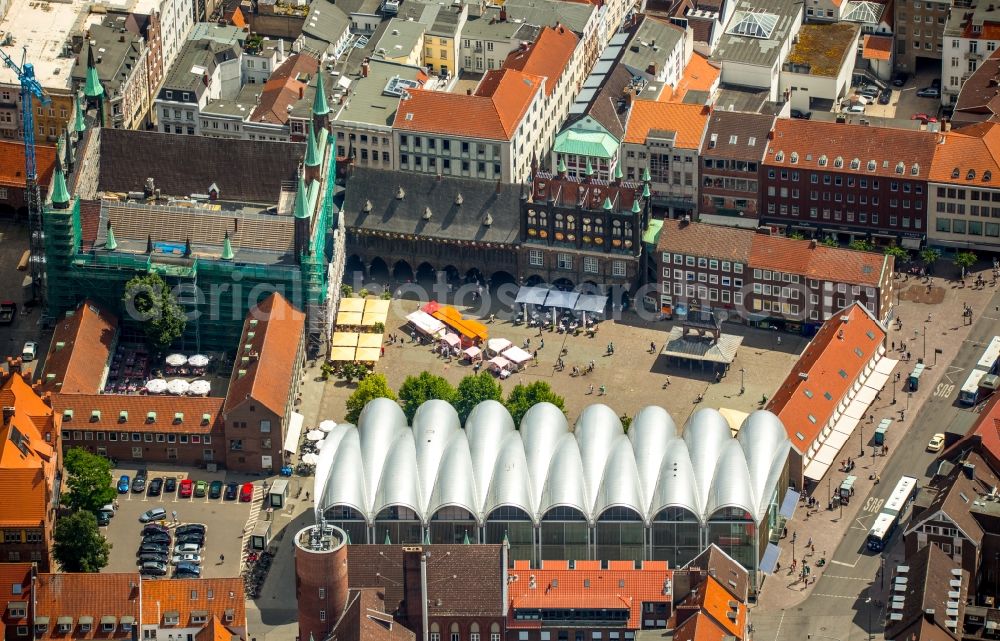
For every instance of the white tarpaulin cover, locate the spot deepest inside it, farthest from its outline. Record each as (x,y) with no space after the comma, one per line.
(294,432)
(499,362)
(516,355)
(425,323)
(497,345)
(451,339)
(531,295)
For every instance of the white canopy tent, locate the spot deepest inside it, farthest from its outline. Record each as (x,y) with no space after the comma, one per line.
(294,432)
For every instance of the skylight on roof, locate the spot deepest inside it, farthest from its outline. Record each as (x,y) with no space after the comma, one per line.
(755,25)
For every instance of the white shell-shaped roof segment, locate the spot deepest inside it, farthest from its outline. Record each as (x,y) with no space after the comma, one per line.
(436,463)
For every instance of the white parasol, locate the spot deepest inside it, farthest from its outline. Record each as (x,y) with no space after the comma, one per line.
(315,435)
(310,458)
(198,360)
(200,388)
(327,426)
(176,360)
(178,386)
(156,386)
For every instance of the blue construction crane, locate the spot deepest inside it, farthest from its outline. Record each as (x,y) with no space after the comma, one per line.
(30,89)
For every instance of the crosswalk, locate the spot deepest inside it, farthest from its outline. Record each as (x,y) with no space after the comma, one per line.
(255,505)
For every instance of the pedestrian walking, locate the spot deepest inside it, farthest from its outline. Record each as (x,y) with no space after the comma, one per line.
(779,340)
(222,558)
(590,390)
(541,344)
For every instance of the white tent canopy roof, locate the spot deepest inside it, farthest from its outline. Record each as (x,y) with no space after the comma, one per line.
(489,464)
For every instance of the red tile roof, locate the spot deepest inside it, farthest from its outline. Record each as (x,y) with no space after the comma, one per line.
(985,433)
(27,459)
(274,330)
(699,75)
(717,609)
(818,261)
(688,121)
(221,598)
(78,596)
(700,627)
(215,631)
(967,154)
(285,87)
(12,163)
(711,241)
(832,364)
(819,145)
(548,57)
(620,586)
(573,192)
(79,351)
(137,407)
(365,619)
(877,47)
(494,111)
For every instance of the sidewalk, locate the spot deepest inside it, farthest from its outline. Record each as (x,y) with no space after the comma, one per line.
(945,329)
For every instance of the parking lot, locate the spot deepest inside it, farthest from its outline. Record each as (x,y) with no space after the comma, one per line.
(226,523)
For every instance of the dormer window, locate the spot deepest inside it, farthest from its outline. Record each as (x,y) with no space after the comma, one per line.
(86,623)
(855,163)
(987,175)
(900,168)
(955,173)
(871,165)
(108,623)
(67,415)
(17,609)
(838,162)
(971,175)
(199,616)
(171,617)
(127,623)
(794,157)
(915,170)
(779,156)
(822,160)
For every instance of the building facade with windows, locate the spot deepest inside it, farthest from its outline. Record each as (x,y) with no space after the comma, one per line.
(206,70)
(732,153)
(848,181)
(666,139)
(964,190)
(918,31)
(971,35)
(576,232)
(490,133)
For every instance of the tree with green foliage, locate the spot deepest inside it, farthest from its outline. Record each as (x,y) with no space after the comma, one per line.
(862,245)
(965,260)
(149,300)
(352,371)
(346,291)
(386,294)
(797,235)
(415,390)
(372,386)
(897,252)
(474,389)
(79,545)
(930,256)
(830,241)
(88,480)
(523,397)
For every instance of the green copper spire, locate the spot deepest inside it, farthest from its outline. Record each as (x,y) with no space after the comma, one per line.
(607,204)
(110,243)
(320,108)
(645,175)
(302,200)
(312,152)
(92,88)
(58,193)
(79,125)
(227,248)
(561,167)
(645,190)
(618,171)
(590,168)
(635,206)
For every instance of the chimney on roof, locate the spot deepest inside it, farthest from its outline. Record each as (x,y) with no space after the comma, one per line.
(503,14)
(468,92)
(302,92)
(929,615)
(8,413)
(812,243)
(651,69)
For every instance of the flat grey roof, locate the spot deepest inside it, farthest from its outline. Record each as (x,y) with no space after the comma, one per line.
(778,15)
(368,102)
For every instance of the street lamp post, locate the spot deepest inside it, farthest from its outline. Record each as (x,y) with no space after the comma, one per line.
(868,601)
(861,438)
(742,386)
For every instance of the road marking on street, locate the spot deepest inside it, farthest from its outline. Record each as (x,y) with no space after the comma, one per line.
(853,597)
(872,505)
(255,505)
(849,565)
(952,370)
(777,633)
(944,390)
(849,578)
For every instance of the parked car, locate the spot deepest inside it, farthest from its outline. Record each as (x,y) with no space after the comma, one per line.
(885,97)
(139,482)
(155,514)
(186,488)
(8,312)
(103,518)
(802,115)
(929,92)
(156,537)
(123,484)
(232,489)
(151,528)
(153,556)
(189,557)
(188,568)
(869,92)
(155,487)
(900,79)
(923,118)
(200,488)
(215,490)
(154,548)
(856,109)
(192,537)
(29,352)
(246,493)
(187,548)
(153,568)
(170,485)
(188,528)
(936,443)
